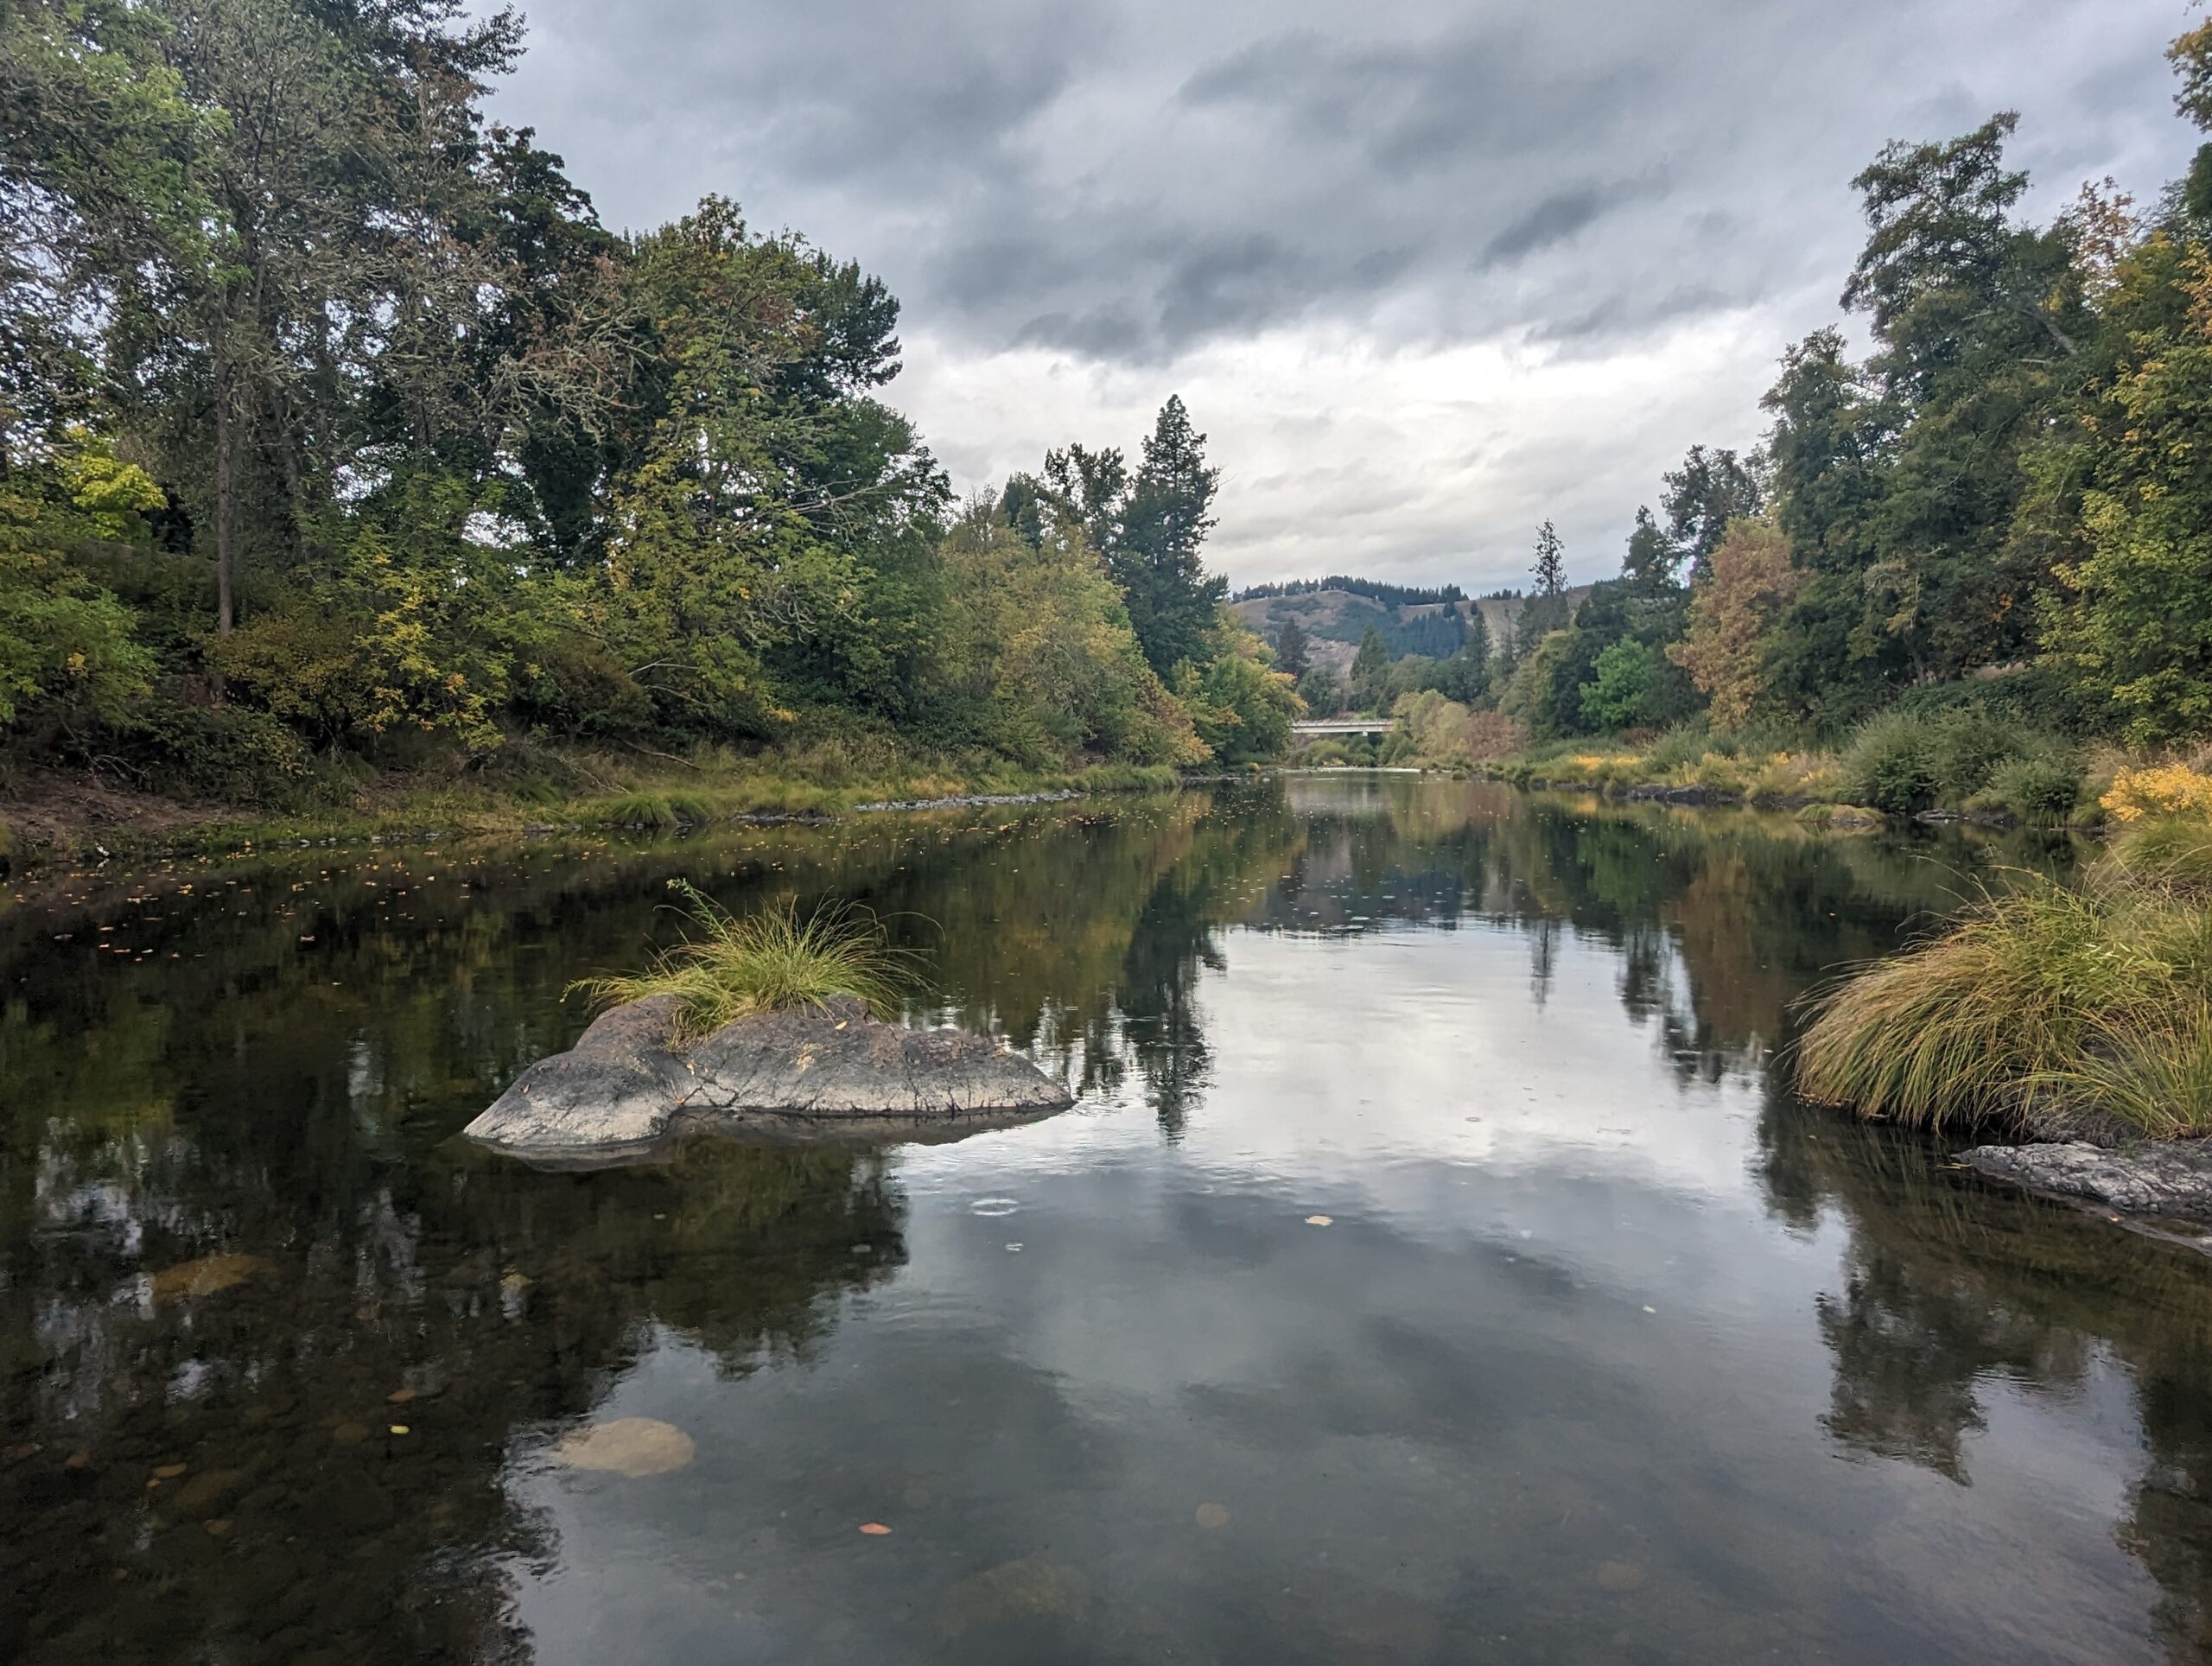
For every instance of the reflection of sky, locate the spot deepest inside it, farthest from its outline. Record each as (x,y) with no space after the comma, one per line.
(1549,1387)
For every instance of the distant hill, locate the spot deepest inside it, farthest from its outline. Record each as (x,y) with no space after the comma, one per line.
(1390,595)
(1336,620)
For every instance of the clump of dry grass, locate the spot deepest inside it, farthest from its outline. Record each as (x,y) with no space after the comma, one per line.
(2171,851)
(2094,999)
(766,962)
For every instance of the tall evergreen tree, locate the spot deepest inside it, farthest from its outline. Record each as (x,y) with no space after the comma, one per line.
(1294,652)
(1549,569)
(1370,666)
(1547,606)
(1649,565)
(1173,601)
(1465,675)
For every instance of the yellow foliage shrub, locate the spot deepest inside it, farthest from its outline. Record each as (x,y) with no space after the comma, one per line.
(2168,790)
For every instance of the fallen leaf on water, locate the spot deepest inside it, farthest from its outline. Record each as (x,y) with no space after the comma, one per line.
(399,1428)
(1320,1220)
(1211,1516)
(626,1445)
(168,1471)
(873,1530)
(204,1277)
(399,1396)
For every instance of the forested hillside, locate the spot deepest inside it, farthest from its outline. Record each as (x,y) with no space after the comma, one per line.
(1328,621)
(338,436)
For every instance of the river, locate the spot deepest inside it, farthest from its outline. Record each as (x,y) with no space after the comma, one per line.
(1435,1267)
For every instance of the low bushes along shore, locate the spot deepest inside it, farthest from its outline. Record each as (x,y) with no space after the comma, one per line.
(1899,763)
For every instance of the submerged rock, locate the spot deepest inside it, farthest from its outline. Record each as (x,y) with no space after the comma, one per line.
(1032,1589)
(628,1085)
(2161,1181)
(635,1447)
(204,1276)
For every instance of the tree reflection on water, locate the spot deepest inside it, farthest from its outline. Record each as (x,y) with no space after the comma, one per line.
(236,1232)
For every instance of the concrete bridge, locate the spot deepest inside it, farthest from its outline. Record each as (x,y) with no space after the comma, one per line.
(1320,726)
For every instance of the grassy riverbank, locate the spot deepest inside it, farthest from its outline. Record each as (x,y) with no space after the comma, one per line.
(1900,763)
(2049,1005)
(59,818)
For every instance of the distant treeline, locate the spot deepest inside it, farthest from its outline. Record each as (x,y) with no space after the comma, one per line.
(1390,595)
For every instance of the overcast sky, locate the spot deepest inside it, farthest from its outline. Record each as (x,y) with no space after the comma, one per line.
(1424,273)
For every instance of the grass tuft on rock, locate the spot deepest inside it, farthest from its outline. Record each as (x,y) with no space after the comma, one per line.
(733,965)
(2095,1000)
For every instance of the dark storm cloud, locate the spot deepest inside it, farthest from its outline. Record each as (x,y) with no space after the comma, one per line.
(1553,220)
(1430,272)
(1125,179)
(1485,92)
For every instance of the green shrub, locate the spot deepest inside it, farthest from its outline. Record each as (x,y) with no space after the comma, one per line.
(1969,747)
(1891,764)
(2042,788)
(227,752)
(1678,749)
(2041,698)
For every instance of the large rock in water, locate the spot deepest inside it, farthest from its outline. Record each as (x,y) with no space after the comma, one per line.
(628,1085)
(2157,1179)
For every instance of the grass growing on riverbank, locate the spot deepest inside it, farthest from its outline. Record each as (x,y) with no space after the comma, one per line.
(766,962)
(585,789)
(2093,999)
(1899,763)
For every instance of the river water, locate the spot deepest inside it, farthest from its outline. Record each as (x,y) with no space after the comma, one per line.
(1435,1267)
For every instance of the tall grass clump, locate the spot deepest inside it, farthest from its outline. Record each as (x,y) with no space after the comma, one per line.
(2155,1074)
(2095,1000)
(2166,850)
(641,810)
(735,964)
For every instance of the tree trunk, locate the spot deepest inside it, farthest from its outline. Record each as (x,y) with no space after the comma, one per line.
(225,508)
